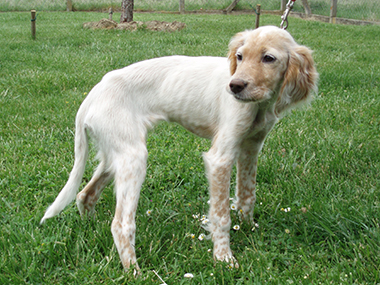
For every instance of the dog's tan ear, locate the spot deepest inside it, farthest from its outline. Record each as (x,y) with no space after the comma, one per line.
(300,80)
(236,42)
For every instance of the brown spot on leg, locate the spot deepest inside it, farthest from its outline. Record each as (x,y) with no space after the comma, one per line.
(246,178)
(87,198)
(219,172)
(129,176)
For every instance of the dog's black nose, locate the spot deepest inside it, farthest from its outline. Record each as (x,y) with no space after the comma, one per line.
(237,85)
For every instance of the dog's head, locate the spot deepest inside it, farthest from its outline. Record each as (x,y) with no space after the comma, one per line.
(267,64)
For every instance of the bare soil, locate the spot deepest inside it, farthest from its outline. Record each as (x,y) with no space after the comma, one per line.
(133,26)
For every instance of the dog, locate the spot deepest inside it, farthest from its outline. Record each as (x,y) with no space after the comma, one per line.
(233,101)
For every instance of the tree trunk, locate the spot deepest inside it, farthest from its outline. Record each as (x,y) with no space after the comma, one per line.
(231,6)
(126,11)
(306,7)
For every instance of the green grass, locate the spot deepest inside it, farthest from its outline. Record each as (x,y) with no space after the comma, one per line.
(322,161)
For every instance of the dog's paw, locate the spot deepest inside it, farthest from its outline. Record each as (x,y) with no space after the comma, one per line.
(230,260)
(244,211)
(224,254)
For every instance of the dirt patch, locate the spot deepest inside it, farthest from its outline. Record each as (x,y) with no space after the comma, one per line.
(133,26)
(164,26)
(102,24)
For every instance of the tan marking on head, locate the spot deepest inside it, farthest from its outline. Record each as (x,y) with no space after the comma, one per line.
(236,42)
(300,79)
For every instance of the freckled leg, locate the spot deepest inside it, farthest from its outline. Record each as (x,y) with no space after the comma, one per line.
(246,177)
(129,176)
(219,172)
(87,198)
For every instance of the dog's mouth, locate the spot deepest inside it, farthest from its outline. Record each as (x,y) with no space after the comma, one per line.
(245,97)
(241,98)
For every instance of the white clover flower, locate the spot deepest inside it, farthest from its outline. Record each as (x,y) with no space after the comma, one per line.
(188,275)
(236,227)
(256,225)
(287,231)
(205,221)
(201,237)
(233,207)
(148,212)
(196,216)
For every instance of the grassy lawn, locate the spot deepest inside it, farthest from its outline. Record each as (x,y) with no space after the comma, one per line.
(322,162)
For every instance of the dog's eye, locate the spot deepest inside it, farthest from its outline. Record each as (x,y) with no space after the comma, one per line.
(268,58)
(239,56)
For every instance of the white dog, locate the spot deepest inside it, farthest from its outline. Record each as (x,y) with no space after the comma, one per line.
(235,102)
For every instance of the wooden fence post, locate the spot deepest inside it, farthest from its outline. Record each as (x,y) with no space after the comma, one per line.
(33,23)
(181,6)
(283,5)
(110,12)
(258,8)
(333,11)
(69,5)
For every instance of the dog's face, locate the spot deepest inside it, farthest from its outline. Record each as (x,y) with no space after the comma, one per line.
(267,62)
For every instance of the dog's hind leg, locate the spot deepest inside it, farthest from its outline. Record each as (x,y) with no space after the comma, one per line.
(130,170)
(87,198)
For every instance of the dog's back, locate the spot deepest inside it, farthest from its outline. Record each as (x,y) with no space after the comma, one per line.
(181,89)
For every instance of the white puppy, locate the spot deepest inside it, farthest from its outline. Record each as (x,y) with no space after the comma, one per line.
(233,101)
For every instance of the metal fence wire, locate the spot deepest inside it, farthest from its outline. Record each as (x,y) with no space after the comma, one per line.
(351,9)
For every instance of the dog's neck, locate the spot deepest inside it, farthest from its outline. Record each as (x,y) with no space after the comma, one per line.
(264,118)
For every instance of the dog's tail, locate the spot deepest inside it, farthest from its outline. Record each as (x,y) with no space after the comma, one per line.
(68,193)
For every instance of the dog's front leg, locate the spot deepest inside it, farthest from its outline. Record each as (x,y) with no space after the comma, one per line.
(246,175)
(218,166)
